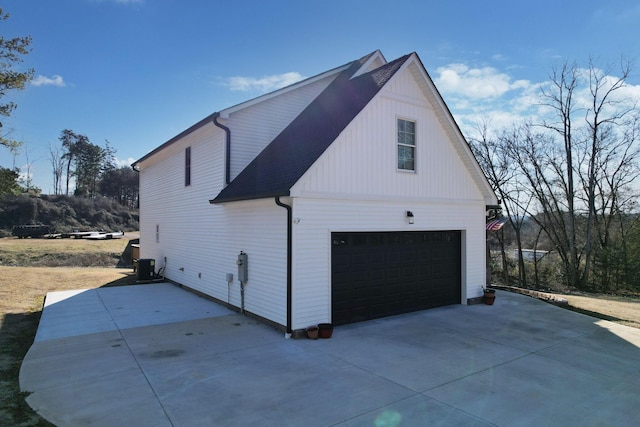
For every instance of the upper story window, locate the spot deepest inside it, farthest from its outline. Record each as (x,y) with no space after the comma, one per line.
(187,167)
(406,145)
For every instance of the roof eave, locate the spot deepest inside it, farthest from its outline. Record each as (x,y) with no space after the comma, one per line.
(265,195)
(182,134)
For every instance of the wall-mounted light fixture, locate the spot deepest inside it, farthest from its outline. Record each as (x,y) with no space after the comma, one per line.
(410,217)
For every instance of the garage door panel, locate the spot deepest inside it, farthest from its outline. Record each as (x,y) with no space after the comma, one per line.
(387,273)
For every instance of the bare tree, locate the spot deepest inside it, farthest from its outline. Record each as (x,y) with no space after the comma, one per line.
(616,169)
(57,166)
(559,97)
(494,157)
(578,167)
(605,140)
(27,178)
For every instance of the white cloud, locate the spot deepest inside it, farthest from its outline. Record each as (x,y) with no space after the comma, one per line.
(56,80)
(478,83)
(486,95)
(263,84)
(124,162)
(631,92)
(496,97)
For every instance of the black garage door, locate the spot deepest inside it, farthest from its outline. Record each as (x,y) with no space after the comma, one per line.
(378,274)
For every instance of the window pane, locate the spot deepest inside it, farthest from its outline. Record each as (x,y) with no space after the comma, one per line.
(406,126)
(406,157)
(406,132)
(405,138)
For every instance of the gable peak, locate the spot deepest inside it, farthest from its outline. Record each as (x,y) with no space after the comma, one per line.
(370,62)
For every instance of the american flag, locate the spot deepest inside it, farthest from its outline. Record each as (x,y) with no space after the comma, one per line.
(496,224)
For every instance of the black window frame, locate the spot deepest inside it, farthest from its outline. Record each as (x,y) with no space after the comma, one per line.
(187,167)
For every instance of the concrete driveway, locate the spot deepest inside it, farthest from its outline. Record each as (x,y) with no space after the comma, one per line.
(157,355)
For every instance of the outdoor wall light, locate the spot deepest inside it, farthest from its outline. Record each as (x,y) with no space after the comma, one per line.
(410,217)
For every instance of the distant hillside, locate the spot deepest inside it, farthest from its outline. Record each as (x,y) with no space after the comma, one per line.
(65,213)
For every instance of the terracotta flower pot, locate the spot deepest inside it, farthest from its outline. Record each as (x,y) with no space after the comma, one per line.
(325,330)
(489,296)
(312,332)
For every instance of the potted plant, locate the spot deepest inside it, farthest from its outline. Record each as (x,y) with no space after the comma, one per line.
(325,330)
(312,332)
(489,295)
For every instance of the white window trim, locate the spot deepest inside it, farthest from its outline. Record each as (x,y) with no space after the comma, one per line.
(415,145)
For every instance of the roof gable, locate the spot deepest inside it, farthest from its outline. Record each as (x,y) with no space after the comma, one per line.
(279,166)
(370,63)
(367,59)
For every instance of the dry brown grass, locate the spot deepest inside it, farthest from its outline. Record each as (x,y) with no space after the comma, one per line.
(23,288)
(62,252)
(41,246)
(620,309)
(22,292)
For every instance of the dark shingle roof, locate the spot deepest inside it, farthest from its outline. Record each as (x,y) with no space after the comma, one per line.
(281,164)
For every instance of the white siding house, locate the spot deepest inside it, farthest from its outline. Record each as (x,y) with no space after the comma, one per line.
(353,194)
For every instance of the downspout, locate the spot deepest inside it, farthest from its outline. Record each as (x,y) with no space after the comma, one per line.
(289,261)
(227,155)
(136,169)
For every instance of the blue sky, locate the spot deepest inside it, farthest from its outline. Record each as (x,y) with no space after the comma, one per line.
(138,72)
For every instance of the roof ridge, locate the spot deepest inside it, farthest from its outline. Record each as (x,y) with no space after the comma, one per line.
(386,67)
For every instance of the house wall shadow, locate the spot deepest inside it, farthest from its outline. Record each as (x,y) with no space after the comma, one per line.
(126,258)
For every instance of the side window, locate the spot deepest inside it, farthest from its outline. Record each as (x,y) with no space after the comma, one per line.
(187,167)
(157,233)
(406,145)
